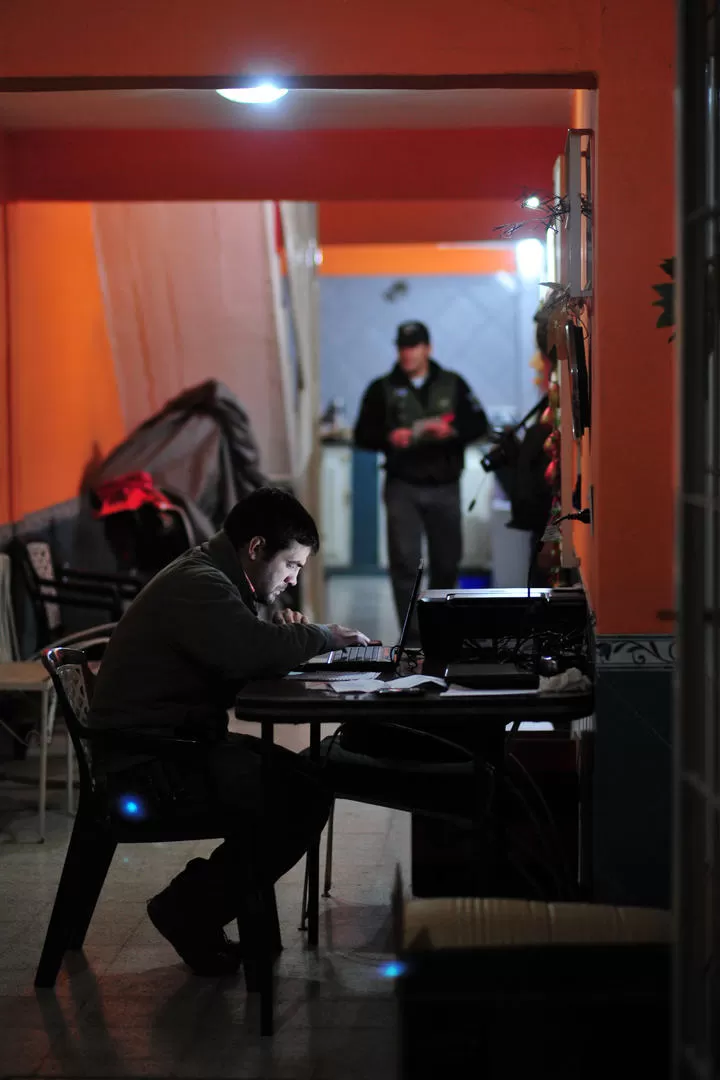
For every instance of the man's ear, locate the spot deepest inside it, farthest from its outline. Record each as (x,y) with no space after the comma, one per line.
(255,547)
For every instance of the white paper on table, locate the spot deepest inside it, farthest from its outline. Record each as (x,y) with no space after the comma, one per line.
(532,725)
(368,685)
(407,682)
(328,676)
(467,691)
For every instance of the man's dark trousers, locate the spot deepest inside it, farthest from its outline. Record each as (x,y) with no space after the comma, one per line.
(414,509)
(288,798)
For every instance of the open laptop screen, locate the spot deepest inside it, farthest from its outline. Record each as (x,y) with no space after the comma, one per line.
(409,613)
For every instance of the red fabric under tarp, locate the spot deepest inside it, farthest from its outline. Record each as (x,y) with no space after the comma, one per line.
(129,492)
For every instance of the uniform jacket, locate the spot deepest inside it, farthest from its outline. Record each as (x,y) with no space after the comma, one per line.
(392,401)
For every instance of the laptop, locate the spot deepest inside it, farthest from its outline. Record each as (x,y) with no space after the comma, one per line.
(368,657)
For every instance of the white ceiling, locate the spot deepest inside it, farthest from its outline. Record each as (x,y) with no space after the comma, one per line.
(300,109)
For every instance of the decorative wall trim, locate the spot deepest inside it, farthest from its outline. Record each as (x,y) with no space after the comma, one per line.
(656,651)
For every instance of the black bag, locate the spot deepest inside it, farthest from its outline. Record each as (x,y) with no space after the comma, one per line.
(530,494)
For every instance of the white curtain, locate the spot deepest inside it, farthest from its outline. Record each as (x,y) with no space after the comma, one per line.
(188,297)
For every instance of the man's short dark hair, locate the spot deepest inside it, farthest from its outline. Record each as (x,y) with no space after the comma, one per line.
(277,516)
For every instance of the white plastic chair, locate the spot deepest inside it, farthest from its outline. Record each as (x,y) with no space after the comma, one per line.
(30,676)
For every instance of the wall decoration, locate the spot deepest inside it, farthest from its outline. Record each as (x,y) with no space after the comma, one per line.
(396,291)
(666,301)
(579,387)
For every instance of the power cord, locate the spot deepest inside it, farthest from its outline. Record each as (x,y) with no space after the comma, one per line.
(582,515)
(562,885)
(548,814)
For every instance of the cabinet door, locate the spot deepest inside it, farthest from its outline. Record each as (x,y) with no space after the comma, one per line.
(336,506)
(383,560)
(476,485)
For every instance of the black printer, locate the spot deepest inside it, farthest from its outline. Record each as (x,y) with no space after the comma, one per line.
(475,623)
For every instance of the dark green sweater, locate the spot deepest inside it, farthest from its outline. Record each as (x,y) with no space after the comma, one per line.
(188,642)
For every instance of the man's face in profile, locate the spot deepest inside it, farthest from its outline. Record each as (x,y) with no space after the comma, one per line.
(271,577)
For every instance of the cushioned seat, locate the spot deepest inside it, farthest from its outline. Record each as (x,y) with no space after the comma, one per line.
(517,988)
(475,923)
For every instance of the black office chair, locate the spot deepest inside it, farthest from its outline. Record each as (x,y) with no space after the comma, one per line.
(99,828)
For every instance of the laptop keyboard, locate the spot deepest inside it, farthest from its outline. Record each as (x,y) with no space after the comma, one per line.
(359,653)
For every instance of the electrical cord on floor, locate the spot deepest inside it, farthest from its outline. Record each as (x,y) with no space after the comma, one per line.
(550,817)
(516,848)
(562,887)
(524,872)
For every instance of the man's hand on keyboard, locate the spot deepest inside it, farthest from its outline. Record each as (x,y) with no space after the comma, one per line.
(287,617)
(342,637)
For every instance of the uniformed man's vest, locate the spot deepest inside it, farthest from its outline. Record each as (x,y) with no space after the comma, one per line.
(404,407)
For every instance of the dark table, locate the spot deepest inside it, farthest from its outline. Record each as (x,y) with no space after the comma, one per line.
(307,701)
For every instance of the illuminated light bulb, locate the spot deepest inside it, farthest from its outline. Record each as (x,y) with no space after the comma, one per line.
(264,94)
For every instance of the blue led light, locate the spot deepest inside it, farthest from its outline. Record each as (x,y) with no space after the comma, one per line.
(392,970)
(131,806)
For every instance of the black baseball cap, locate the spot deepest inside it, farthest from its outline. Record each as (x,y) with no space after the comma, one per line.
(412,333)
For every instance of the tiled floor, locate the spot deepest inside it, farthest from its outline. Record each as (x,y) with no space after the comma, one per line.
(127,1007)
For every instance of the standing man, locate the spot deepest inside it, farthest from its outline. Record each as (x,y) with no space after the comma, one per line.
(422,417)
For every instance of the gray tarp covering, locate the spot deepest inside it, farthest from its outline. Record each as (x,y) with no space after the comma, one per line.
(199,450)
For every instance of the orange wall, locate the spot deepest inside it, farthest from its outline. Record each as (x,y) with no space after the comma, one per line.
(495,163)
(213,37)
(5,430)
(418,222)
(382,259)
(630,555)
(64,396)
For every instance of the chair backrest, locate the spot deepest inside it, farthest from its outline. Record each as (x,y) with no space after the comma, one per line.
(40,565)
(8,635)
(73,682)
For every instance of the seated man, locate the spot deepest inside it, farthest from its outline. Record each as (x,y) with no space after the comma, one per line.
(174,665)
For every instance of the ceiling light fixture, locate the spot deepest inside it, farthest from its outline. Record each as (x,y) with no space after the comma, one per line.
(265,94)
(532,202)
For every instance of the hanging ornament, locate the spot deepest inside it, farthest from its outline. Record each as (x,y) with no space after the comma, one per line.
(551,473)
(551,445)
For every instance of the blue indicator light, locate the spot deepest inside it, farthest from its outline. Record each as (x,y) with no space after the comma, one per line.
(131,806)
(392,970)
